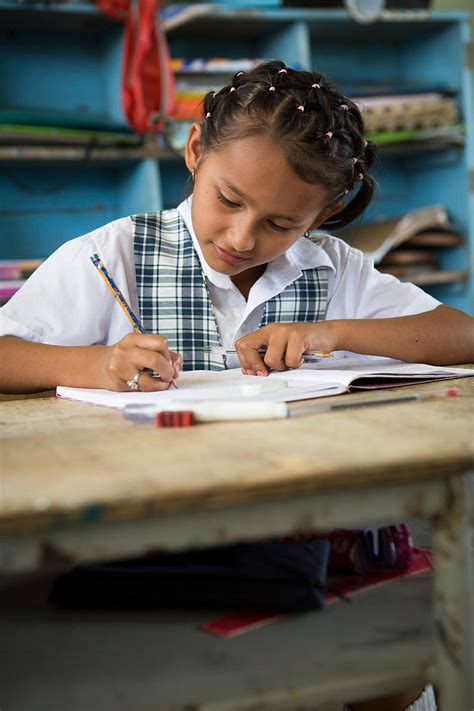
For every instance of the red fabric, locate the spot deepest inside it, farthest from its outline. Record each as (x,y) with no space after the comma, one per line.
(148,92)
(240,622)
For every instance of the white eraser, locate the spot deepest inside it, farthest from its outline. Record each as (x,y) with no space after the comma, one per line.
(260,386)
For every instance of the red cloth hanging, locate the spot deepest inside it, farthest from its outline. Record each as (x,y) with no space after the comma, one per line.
(148,93)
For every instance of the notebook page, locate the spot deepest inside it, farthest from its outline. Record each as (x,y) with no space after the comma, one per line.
(204,385)
(309,381)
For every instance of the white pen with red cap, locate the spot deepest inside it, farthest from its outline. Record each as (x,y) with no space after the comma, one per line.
(180,413)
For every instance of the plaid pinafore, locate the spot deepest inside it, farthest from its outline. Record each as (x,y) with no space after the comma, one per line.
(174,300)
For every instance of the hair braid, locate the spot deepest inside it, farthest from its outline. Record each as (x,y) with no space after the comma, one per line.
(320,131)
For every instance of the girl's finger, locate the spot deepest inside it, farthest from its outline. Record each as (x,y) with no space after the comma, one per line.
(294,352)
(250,359)
(152,342)
(275,357)
(149,384)
(176,362)
(144,359)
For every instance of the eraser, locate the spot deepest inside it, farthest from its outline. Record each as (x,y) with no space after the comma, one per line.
(174,418)
(259,386)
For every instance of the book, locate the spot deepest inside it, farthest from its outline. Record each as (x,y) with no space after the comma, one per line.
(25,134)
(213,65)
(407,112)
(8,288)
(325,378)
(377,239)
(421,276)
(18,268)
(13,274)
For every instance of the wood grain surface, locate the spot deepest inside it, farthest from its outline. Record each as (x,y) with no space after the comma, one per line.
(68,459)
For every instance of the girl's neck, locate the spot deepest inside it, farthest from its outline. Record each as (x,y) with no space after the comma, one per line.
(245,280)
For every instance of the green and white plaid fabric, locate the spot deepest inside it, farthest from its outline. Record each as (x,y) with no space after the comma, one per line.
(174,300)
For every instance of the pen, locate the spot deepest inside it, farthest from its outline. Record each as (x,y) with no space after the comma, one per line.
(308,356)
(119,297)
(182,413)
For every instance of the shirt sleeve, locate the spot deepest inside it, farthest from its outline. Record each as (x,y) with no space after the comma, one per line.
(357,290)
(66,302)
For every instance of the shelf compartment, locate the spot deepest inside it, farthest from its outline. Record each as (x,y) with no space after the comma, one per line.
(46,204)
(82,88)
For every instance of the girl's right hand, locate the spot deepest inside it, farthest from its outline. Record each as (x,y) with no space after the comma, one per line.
(135,353)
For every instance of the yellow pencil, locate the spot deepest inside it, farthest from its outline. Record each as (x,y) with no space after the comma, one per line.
(101,268)
(119,297)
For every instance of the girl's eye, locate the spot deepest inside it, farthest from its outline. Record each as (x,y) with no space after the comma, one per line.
(235,205)
(226,202)
(278,228)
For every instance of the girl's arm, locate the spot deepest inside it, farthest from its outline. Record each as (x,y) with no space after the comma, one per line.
(444,336)
(31,367)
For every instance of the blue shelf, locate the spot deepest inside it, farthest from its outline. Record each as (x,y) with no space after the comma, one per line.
(60,66)
(45,204)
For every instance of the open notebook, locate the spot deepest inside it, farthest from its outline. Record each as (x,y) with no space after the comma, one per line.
(309,381)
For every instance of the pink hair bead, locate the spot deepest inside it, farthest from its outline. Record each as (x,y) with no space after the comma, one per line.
(214,94)
(344,107)
(272,88)
(328,135)
(282,71)
(232,88)
(239,74)
(208,115)
(301,108)
(315,86)
(355,160)
(360,177)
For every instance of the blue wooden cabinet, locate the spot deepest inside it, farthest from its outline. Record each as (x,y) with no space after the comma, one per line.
(61,65)
(63,61)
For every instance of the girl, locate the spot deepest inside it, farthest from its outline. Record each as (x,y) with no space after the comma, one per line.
(278,155)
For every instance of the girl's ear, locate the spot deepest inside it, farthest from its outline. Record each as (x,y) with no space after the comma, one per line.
(193,149)
(327,213)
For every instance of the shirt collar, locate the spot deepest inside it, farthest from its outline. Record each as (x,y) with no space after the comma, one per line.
(303,254)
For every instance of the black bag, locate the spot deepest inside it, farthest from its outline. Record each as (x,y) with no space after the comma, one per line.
(246,576)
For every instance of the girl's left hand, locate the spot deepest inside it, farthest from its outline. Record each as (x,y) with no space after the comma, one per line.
(284,344)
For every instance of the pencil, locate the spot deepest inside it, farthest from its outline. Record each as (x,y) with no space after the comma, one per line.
(120,298)
(309,356)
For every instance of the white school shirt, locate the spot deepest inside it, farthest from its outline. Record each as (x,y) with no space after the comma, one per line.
(66,302)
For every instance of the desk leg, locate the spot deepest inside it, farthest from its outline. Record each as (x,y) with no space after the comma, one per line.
(453,606)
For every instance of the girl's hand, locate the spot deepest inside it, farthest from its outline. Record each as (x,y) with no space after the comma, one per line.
(284,344)
(137,352)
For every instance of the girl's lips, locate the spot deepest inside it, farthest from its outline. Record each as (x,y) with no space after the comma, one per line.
(229,258)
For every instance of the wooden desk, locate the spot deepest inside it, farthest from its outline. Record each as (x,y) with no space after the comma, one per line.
(80,483)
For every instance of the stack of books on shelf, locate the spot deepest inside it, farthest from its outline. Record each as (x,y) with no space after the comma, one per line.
(13,274)
(408,247)
(407,112)
(195,77)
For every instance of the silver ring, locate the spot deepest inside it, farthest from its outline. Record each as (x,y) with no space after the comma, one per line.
(133,382)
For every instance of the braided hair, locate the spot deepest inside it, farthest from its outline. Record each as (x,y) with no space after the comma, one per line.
(320,131)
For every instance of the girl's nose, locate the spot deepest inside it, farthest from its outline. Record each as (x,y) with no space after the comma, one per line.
(242,237)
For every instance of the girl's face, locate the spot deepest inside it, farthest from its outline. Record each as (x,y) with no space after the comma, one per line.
(249,206)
